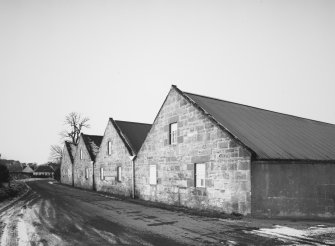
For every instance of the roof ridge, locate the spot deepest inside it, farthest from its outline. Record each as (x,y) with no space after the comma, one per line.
(92,135)
(241,104)
(123,137)
(132,122)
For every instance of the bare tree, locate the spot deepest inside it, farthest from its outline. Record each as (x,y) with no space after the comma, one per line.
(56,153)
(75,123)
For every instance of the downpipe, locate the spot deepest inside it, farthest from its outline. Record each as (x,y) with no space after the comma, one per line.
(132,159)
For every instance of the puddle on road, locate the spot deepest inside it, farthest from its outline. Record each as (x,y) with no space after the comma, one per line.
(319,235)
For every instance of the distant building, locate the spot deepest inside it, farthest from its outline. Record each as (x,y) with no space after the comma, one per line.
(113,171)
(15,169)
(87,150)
(28,171)
(66,171)
(43,171)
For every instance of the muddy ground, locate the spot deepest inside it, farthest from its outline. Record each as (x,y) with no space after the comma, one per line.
(54,214)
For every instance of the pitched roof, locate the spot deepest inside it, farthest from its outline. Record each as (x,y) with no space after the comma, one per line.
(71,149)
(14,167)
(27,169)
(43,168)
(270,135)
(132,133)
(92,143)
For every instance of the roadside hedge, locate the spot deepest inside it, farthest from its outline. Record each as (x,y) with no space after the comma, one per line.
(15,189)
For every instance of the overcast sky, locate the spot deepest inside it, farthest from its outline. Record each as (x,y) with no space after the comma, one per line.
(119,58)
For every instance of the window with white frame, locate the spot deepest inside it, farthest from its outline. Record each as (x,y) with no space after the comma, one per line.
(109,147)
(81,154)
(173,133)
(153,175)
(102,177)
(86,173)
(200,174)
(119,174)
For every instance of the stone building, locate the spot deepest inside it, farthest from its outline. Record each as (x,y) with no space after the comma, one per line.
(207,153)
(66,168)
(87,149)
(114,163)
(28,171)
(43,171)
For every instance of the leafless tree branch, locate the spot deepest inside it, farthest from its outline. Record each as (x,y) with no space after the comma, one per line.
(75,124)
(56,153)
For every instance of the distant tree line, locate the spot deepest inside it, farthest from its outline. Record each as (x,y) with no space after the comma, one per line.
(23,164)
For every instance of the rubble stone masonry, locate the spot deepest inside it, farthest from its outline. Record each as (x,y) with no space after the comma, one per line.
(66,168)
(80,166)
(119,157)
(227,182)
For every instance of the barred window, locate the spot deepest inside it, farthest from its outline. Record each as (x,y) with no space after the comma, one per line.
(200,174)
(109,147)
(119,174)
(86,173)
(102,177)
(173,133)
(153,175)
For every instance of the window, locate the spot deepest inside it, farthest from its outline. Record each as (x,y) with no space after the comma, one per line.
(153,175)
(81,154)
(102,177)
(109,147)
(86,173)
(173,133)
(200,174)
(119,173)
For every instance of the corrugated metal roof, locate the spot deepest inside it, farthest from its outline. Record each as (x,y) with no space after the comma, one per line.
(92,143)
(269,134)
(134,133)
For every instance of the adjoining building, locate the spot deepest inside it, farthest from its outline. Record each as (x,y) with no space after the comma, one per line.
(15,170)
(87,149)
(207,153)
(114,169)
(43,171)
(69,151)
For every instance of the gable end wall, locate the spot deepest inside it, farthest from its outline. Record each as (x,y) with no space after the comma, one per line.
(66,168)
(199,141)
(81,165)
(118,157)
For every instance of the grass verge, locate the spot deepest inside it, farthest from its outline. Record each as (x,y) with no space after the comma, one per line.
(15,189)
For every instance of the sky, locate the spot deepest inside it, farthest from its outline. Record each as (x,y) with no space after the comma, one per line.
(119,58)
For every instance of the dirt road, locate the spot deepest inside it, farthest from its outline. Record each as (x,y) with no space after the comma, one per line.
(53,214)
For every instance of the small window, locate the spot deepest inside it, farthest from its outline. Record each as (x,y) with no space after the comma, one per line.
(86,173)
(109,147)
(200,174)
(173,133)
(153,175)
(102,177)
(119,174)
(81,154)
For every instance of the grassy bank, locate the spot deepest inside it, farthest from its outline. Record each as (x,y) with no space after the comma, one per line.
(16,188)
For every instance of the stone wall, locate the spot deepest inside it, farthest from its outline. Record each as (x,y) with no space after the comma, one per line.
(293,189)
(119,158)
(66,168)
(227,184)
(80,166)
